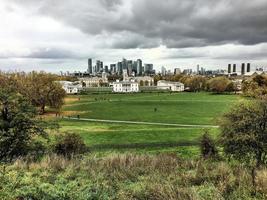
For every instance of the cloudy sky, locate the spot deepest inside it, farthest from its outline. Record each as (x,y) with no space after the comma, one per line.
(57,35)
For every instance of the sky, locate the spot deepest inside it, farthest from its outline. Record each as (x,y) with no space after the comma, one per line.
(60,35)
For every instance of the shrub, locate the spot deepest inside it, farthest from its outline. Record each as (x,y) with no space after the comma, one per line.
(69,144)
(207,146)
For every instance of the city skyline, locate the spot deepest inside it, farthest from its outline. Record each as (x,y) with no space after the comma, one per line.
(61,35)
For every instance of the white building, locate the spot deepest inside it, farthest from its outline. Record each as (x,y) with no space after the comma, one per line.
(168,85)
(71,87)
(144,80)
(95,81)
(125,86)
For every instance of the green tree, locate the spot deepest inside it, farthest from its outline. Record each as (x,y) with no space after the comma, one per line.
(244,134)
(18,125)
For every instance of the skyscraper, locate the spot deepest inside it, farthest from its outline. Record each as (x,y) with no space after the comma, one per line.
(149,68)
(90,67)
(229,69)
(243,69)
(163,71)
(119,68)
(234,68)
(177,71)
(139,67)
(197,69)
(248,67)
(129,66)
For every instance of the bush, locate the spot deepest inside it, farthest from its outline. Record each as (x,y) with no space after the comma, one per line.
(69,144)
(207,146)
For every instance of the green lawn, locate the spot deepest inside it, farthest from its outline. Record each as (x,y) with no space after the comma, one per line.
(180,108)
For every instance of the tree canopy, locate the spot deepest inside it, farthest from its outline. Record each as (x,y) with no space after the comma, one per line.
(18,125)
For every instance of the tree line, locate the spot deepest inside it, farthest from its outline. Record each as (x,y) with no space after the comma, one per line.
(39,88)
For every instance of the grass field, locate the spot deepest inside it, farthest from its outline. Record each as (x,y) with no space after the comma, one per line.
(175,108)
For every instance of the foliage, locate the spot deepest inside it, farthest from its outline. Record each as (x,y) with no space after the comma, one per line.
(18,125)
(255,87)
(208,147)
(69,144)
(244,132)
(219,84)
(42,90)
(196,83)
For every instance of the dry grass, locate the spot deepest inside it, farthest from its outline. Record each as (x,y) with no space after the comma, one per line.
(155,177)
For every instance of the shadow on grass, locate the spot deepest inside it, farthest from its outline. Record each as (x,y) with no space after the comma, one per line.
(143,145)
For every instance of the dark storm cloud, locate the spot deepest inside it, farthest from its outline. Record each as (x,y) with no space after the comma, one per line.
(175,23)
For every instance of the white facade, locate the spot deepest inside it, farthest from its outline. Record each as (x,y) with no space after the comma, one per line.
(144,80)
(125,86)
(71,87)
(168,85)
(95,81)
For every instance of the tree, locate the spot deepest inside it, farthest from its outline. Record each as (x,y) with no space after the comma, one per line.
(207,146)
(196,83)
(218,84)
(42,90)
(18,125)
(244,134)
(255,87)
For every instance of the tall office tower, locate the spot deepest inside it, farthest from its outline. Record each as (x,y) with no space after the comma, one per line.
(135,67)
(243,69)
(101,66)
(113,68)
(130,66)
(90,67)
(148,68)
(163,71)
(202,71)
(124,63)
(248,67)
(106,69)
(139,67)
(98,66)
(197,69)
(234,68)
(177,71)
(119,68)
(229,69)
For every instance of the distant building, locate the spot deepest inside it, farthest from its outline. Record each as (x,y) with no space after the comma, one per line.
(234,68)
(139,67)
(248,67)
(229,69)
(119,68)
(144,80)
(242,68)
(125,86)
(95,81)
(163,71)
(197,69)
(177,71)
(71,87)
(172,86)
(149,69)
(90,66)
